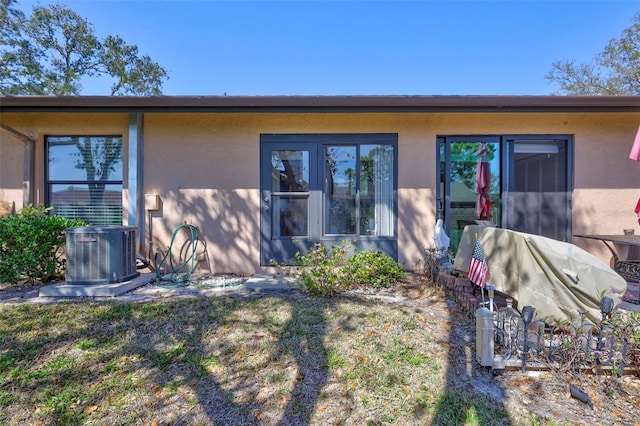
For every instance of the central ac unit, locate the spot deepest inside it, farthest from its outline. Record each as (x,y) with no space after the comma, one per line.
(101,254)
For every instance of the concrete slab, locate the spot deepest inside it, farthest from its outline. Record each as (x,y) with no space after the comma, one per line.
(269,282)
(62,289)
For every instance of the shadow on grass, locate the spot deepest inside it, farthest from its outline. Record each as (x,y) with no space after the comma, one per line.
(460,403)
(221,361)
(227,338)
(173,352)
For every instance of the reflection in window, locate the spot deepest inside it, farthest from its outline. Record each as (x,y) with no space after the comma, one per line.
(84,178)
(359,190)
(340,173)
(290,217)
(290,171)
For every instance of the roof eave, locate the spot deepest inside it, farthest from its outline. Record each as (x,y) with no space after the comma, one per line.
(319,104)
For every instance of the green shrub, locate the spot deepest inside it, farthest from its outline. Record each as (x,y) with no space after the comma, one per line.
(320,271)
(32,245)
(329,272)
(374,269)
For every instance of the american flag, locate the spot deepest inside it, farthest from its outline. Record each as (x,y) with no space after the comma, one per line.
(478,269)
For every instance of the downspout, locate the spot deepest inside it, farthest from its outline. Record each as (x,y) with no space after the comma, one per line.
(29,163)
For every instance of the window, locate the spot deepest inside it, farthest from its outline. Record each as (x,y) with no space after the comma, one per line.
(529,183)
(359,190)
(290,191)
(84,178)
(327,188)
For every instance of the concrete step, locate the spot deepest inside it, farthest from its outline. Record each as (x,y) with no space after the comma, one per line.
(63,289)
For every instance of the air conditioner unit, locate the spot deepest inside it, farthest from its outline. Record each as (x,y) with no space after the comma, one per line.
(101,254)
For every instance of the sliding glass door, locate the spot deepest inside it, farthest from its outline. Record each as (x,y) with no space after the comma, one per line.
(517,182)
(537,192)
(359,190)
(461,160)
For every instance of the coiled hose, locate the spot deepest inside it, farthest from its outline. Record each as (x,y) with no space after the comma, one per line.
(176,277)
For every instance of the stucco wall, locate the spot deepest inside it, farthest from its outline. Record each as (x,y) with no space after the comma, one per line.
(205,167)
(11,172)
(37,126)
(213,182)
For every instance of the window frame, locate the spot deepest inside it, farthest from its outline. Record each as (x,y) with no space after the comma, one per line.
(49,183)
(316,142)
(358,204)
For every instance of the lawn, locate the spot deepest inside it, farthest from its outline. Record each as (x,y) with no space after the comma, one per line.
(272,359)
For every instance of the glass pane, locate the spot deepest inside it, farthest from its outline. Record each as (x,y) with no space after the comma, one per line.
(340,189)
(85,158)
(376,190)
(289,171)
(290,216)
(464,186)
(95,204)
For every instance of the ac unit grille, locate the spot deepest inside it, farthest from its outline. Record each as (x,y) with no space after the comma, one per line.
(101,255)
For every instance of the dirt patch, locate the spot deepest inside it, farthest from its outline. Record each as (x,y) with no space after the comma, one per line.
(612,399)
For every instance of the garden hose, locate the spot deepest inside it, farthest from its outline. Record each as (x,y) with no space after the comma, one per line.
(176,277)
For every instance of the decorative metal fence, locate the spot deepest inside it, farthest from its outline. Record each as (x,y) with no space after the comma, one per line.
(568,345)
(580,343)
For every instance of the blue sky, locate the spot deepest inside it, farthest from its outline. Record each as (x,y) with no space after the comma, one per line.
(357,47)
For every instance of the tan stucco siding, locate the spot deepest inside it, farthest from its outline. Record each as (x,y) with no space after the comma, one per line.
(206,170)
(205,167)
(37,126)
(212,180)
(607,182)
(11,170)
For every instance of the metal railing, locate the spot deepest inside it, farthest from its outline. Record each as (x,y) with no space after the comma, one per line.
(578,344)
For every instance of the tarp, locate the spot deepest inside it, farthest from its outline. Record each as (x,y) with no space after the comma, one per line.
(559,279)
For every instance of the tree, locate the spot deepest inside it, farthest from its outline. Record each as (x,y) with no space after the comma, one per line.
(615,71)
(51,51)
(98,160)
(464,163)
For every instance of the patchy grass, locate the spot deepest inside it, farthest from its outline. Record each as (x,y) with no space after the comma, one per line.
(285,359)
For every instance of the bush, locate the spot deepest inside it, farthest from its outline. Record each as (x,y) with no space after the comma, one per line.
(626,326)
(434,261)
(374,269)
(613,344)
(31,245)
(328,273)
(321,272)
